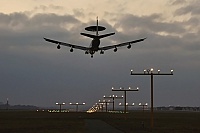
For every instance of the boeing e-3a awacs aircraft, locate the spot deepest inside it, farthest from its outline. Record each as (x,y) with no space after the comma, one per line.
(95,43)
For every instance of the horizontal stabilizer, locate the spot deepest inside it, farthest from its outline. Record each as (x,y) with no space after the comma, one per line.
(99,37)
(89,35)
(105,35)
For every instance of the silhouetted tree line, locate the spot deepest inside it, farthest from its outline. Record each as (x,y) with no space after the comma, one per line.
(179,108)
(18,107)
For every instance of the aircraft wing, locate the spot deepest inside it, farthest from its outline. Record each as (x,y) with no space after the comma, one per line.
(66,44)
(121,44)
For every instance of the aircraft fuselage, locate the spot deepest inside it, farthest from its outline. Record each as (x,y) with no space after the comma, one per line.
(95,44)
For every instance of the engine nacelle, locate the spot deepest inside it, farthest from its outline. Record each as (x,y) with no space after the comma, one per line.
(71,50)
(129,46)
(115,49)
(58,47)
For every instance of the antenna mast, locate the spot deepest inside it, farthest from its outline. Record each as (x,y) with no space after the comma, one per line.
(97,27)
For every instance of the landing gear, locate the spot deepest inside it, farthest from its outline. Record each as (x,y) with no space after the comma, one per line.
(92,52)
(102,52)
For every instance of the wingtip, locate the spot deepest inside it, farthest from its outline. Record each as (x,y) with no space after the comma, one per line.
(143,39)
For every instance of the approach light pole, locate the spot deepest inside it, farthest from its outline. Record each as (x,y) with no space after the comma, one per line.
(143,105)
(100,106)
(113,97)
(151,73)
(60,104)
(106,103)
(7,104)
(120,104)
(77,104)
(124,90)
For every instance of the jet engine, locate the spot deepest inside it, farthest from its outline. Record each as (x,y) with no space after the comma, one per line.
(58,47)
(129,46)
(115,49)
(71,50)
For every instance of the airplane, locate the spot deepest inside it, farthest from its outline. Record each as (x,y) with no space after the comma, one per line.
(95,43)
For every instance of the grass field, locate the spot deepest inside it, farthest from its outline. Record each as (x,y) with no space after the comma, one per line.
(44,122)
(164,122)
(40,122)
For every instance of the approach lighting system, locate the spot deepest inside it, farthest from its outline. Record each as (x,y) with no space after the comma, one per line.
(143,105)
(77,104)
(151,73)
(113,97)
(125,90)
(127,105)
(106,103)
(60,104)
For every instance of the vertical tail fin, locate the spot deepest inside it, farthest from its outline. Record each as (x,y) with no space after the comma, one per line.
(97,27)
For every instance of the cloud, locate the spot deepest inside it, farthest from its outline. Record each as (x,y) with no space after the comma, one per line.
(191,8)
(36,71)
(151,24)
(177,2)
(24,29)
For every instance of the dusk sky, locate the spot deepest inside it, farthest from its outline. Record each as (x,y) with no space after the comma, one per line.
(34,72)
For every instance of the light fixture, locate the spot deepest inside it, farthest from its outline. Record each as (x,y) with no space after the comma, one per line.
(145,70)
(158,70)
(172,71)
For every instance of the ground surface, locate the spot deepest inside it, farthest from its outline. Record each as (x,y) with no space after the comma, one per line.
(44,122)
(99,126)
